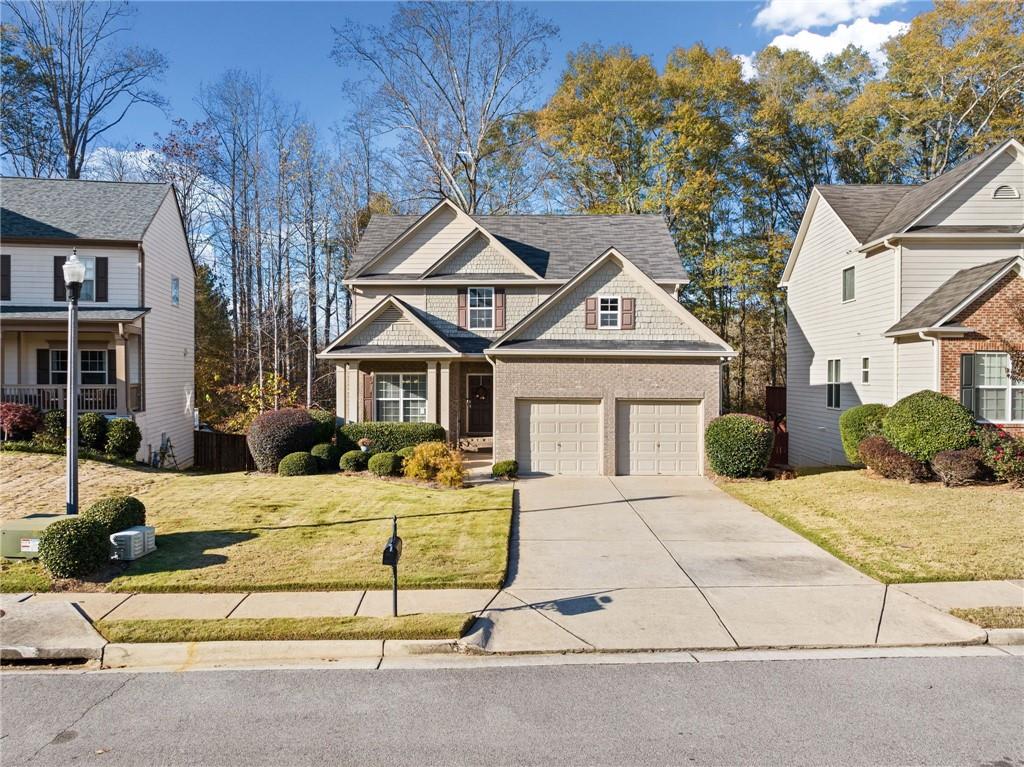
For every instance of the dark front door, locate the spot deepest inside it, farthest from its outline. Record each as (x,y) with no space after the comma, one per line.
(481,406)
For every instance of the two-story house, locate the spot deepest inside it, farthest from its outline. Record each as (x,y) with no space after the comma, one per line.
(559,340)
(897,288)
(136,312)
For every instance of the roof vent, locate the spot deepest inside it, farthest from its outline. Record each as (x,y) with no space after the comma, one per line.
(1005,192)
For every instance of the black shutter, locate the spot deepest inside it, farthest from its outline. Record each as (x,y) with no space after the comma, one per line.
(111,366)
(42,366)
(967,381)
(101,279)
(59,293)
(5,277)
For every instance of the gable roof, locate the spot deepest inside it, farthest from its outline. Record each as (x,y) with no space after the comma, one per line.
(71,209)
(862,207)
(340,347)
(953,295)
(553,246)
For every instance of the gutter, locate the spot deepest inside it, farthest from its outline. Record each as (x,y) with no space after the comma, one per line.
(926,236)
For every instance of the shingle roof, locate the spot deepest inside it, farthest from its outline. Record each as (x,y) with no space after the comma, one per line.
(556,247)
(85,313)
(66,209)
(862,207)
(952,293)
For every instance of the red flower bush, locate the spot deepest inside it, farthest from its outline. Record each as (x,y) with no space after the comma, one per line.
(1002,453)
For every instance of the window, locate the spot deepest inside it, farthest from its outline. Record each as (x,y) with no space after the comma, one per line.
(865,370)
(174,291)
(92,369)
(58,366)
(832,385)
(89,286)
(608,315)
(481,308)
(990,388)
(401,397)
(849,284)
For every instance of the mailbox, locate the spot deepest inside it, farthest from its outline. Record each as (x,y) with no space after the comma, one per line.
(392,551)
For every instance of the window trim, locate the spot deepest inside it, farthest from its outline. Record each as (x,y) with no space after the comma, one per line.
(865,371)
(402,400)
(833,395)
(470,308)
(81,366)
(853,287)
(617,313)
(1011,385)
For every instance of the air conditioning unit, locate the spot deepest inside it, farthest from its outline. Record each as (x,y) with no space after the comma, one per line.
(127,545)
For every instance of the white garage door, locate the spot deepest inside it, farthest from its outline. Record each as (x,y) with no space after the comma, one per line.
(658,437)
(558,437)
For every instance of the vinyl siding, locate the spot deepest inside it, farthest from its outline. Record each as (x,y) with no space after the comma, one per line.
(916,366)
(32,274)
(423,248)
(927,266)
(972,204)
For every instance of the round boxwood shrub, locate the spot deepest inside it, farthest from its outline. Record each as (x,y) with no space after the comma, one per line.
(354,460)
(327,455)
(325,422)
(298,465)
(959,467)
(857,424)
(885,460)
(385,464)
(276,433)
(123,438)
(119,512)
(739,445)
(405,452)
(505,469)
(55,424)
(74,546)
(926,423)
(92,431)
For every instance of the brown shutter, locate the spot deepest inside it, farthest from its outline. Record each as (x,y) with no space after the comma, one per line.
(101,279)
(367,395)
(591,314)
(461,321)
(628,313)
(5,277)
(42,366)
(59,293)
(499,308)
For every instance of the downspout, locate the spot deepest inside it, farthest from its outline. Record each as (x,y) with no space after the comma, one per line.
(935,357)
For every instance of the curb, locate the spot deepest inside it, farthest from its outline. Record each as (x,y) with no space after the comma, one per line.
(1006,637)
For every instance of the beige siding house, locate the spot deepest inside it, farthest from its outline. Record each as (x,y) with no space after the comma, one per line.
(558,341)
(897,288)
(136,332)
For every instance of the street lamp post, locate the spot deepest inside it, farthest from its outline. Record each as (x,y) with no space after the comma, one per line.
(74,276)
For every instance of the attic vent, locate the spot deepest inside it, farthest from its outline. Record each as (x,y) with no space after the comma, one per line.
(1005,192)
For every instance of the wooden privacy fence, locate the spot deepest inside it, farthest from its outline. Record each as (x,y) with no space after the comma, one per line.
(219,451)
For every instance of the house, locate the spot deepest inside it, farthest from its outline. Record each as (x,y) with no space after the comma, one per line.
(897,288)
(136,315)
(557,340)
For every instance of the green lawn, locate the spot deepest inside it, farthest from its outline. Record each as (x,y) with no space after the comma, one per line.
(898,532)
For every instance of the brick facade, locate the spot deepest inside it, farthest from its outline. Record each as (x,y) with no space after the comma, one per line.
(991,316)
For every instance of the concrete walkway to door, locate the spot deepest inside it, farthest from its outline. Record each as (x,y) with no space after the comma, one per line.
(656,563)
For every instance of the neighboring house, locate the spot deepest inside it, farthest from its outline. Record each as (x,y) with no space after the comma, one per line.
(559,339)
(136,316)
(897,288)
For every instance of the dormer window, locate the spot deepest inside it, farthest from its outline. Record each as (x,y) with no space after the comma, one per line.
(609,313)
(481,308)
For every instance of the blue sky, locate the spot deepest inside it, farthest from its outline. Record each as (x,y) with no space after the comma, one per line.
(290,43)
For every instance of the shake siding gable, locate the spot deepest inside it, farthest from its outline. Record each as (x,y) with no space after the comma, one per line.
(972,203)
(479,256)
(392,328)
(422,249)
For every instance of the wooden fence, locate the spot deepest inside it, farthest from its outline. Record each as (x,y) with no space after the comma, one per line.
(218,451)
(775,411)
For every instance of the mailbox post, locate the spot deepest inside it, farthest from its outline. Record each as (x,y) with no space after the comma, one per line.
(392,553)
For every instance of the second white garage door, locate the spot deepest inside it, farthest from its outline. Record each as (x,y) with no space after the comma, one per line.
(658,437)
(558,437)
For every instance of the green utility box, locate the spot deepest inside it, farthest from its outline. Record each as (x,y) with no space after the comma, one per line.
(19,538)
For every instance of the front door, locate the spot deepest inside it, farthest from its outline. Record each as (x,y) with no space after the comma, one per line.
(479,390)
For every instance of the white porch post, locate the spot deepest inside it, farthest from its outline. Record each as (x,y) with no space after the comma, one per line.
(340,380)
(432,392)
(444,417)
(352,374)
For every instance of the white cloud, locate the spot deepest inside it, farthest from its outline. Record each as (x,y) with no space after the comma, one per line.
(747,63)
(863,33)
(792,15)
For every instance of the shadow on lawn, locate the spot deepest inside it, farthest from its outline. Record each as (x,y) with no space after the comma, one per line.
(187,551)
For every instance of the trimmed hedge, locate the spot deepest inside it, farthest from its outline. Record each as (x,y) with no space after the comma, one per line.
(959,467)
(298,464)
(926,422)
(276,433)
(885,460)
(391,436)
(117,513)
(857,424)
(505,469)
(327,454)
(739,445)
(354,460)
(385,464)
(74,546)
(123,438)
(92,431)
(435,461)
(326,423)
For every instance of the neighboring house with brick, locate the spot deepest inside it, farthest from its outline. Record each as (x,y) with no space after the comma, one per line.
(136,311)
(897,288)
(559,340)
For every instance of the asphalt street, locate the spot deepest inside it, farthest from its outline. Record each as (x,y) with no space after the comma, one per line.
(913,711)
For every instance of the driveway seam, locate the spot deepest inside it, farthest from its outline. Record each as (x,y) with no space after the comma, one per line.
(548,618)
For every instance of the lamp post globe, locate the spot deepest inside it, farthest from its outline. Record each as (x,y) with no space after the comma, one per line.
(74,276)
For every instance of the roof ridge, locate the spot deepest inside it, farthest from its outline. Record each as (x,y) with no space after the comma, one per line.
(85,180)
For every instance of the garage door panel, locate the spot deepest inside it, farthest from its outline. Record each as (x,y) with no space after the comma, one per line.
(658,438)
(558,437)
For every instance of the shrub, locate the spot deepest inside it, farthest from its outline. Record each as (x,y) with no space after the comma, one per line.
(74,546)
(18,421)
(926,422)
(327,455)
(958,467)
(276,433)
(385,464)
(298,465)
(739,445)
(92,431)
(343,442)
(54,428)
(123,438)
(885,460)
(354,460)
(405,452)
(390,436)
(505,469)
(857,424)
(437,462)
(325,425)
(116,513)
(1002,453)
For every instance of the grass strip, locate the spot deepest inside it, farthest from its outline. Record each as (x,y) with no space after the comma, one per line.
(992,617)
(17,577)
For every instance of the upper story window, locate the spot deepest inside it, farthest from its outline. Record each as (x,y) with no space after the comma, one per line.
(481,308)
(865,370)
(609,312)
(832,385)
(175,297)
(89,286)
(990,388)
(849,284)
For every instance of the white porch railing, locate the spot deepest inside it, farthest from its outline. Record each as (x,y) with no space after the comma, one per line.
(96,398)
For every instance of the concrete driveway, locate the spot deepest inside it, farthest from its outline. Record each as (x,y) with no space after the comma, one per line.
(617,563)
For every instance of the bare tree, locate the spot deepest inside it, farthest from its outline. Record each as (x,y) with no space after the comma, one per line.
(86,83)
(28,130)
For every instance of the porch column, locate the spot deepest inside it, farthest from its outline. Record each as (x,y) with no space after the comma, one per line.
(340,379)
(444,417)
(121,373)
(352,391)
(432,392)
